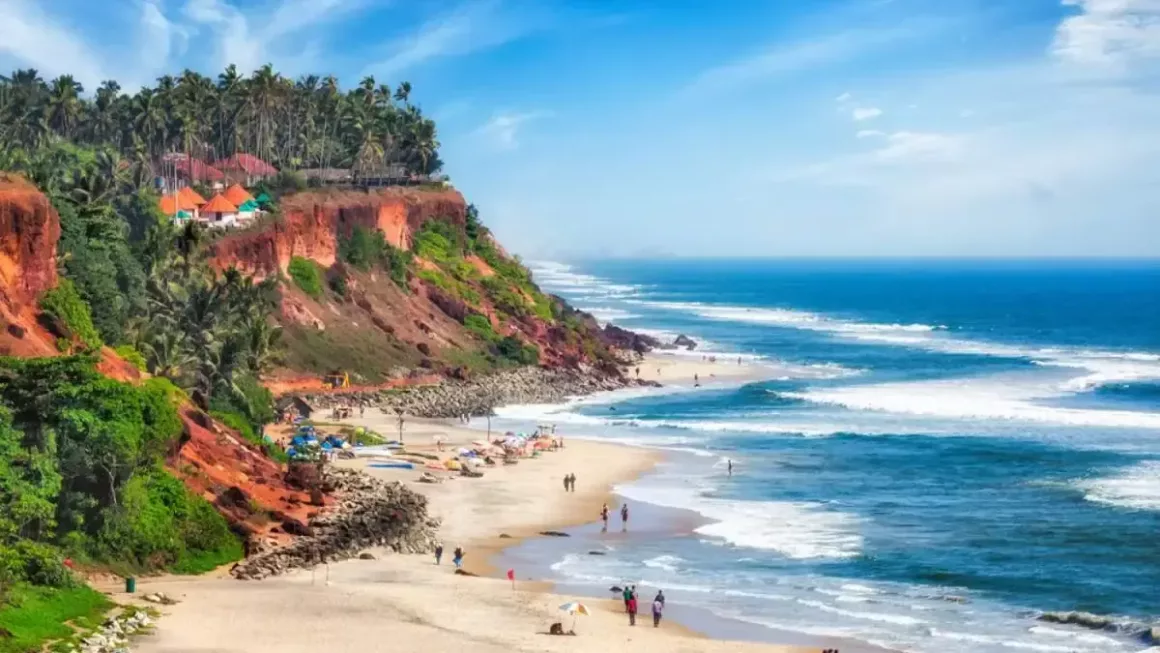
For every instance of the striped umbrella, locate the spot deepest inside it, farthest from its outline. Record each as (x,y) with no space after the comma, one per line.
(573,608)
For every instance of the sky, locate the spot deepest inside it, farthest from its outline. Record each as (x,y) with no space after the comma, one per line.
(726,128)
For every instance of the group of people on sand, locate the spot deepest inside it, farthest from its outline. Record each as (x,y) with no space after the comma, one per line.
(569,482)
(630,605)
(456,557)
(604,513)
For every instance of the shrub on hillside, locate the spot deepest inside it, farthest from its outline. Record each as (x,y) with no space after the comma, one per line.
(306,276)
(65,306)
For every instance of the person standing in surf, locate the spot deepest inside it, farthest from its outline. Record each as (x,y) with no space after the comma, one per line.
(730,467)
(624,516)
(604,516)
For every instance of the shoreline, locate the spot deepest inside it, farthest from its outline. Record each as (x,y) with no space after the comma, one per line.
(355,599)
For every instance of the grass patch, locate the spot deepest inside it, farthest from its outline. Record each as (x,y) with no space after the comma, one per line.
(200,562)
(65,305)
(363,351)
(34,615)
(306,275)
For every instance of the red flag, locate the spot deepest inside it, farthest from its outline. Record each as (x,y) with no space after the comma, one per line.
(511,574)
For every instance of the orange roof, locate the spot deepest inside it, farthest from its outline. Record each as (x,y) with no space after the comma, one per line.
(237,195)
(171,204)
(187,193)
(219,204)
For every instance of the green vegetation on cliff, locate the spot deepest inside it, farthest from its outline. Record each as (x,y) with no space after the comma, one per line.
(81,476)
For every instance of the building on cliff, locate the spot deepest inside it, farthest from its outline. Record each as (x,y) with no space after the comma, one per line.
(219,212)
(180,207)
(245,169)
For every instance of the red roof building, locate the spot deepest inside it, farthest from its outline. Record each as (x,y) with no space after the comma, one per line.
(182,165)
(248,165)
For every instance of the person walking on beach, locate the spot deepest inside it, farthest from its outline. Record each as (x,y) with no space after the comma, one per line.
(660,597)
(658,606)
(627,596)
(567,479)
(632,607)
(439,553)
(624,516)
(458,559)
(572,482)
(604,515)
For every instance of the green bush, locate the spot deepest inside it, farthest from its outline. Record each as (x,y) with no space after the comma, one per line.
(131,355)
(306,276)
(513,349)
(34,562)
(505,297)
(160,524)
(64,304)
(435,278)
(480,326)
(363,249)
(397,263)
(438,242)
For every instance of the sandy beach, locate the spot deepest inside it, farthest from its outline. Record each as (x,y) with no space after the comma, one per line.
(406,602)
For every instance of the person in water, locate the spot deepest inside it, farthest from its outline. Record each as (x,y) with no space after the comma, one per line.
(604,515)
(624,516)
(731,467)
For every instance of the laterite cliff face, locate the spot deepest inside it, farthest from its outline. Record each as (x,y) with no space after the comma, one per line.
(29,231)
(312,222)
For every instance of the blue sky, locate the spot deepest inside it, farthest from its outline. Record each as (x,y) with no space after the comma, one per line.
(729,128)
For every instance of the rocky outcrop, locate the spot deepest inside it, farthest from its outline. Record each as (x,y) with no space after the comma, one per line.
(1148,633)
(113,636)
(369,513)
(627,340)
(479,396)
(311,224)
(29,231)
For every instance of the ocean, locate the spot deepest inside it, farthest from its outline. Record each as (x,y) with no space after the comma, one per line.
(945,449)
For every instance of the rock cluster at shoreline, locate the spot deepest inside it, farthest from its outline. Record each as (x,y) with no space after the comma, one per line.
(455,398)
(1147,633)
(113,636)
(370,513)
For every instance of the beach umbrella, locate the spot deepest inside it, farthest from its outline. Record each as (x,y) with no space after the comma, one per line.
(573,608)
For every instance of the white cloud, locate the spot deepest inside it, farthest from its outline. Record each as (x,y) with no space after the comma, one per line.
(865,113)
(1109,34)
(35,40)
(790,59)
(907,146)
(845,97)
(473,26)
(869,133)
(502,130)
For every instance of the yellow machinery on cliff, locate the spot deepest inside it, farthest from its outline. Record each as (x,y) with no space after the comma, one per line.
(337,379)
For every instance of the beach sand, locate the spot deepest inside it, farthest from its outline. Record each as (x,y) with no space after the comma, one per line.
(406,603)
(680,368)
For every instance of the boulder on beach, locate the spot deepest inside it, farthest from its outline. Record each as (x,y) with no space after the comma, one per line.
(553,534)
(685,341)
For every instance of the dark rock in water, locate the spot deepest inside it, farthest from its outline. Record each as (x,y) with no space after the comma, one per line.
(596,553)
(686,342)
(1084,619)
(504,536)
(554,534)
(621,338)
(616,589)
(366,556)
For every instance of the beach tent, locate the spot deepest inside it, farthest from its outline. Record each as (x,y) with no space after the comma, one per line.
(263,200)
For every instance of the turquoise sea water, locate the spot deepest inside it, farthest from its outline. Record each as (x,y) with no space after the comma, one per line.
(943,451)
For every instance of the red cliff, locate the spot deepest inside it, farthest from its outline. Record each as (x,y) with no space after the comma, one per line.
(311,223)
(29,230)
